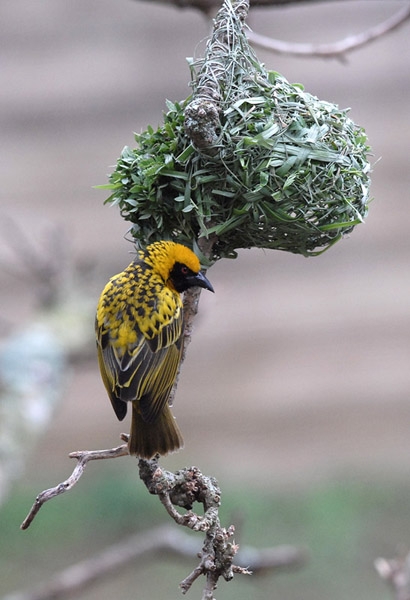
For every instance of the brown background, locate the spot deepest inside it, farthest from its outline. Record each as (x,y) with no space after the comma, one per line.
(299,368)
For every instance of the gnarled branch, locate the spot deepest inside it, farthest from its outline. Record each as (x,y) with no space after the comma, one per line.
(184,488)
(181,489)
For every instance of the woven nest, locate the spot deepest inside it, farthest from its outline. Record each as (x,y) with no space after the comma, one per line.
(287,171)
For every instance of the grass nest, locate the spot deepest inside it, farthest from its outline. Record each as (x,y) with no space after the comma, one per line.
(286,171)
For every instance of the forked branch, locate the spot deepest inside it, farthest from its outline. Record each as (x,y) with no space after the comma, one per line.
(181,489)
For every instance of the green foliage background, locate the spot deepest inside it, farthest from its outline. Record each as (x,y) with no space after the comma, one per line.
(344,524)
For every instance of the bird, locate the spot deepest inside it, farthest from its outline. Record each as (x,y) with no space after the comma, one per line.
(139,331)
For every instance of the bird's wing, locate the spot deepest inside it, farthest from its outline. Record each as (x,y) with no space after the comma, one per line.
(158,376)
(139,359)
(108,376)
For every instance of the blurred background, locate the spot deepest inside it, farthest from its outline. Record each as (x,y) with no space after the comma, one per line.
(295,392)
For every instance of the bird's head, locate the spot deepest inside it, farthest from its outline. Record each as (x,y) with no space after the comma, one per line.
(177,265)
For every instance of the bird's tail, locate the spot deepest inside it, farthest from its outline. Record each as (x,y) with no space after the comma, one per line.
(148,439)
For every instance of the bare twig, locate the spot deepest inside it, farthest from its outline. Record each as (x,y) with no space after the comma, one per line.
(112,560)
(139,548)
(207,5)
(45,270)
(83,457)
(261,561)
(397,573)
(186,583)
(334,49)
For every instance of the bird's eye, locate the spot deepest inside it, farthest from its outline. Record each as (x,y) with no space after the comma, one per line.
(184,270)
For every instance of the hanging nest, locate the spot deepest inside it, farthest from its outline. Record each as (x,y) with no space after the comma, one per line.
(250,158)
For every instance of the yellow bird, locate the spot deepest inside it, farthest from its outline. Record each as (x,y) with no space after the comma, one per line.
(139,328)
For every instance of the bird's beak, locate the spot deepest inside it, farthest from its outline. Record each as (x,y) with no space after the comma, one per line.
(200,280)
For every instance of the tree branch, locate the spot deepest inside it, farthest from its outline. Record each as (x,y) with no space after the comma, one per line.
(182,489)
(112,560)
(191,304)
(208,5)
(334,49)
(139,548)
(83,457)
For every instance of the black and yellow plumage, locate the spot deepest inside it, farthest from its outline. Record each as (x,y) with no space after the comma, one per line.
(139,329)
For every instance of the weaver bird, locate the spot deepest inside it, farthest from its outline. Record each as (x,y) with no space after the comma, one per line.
(139,329)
